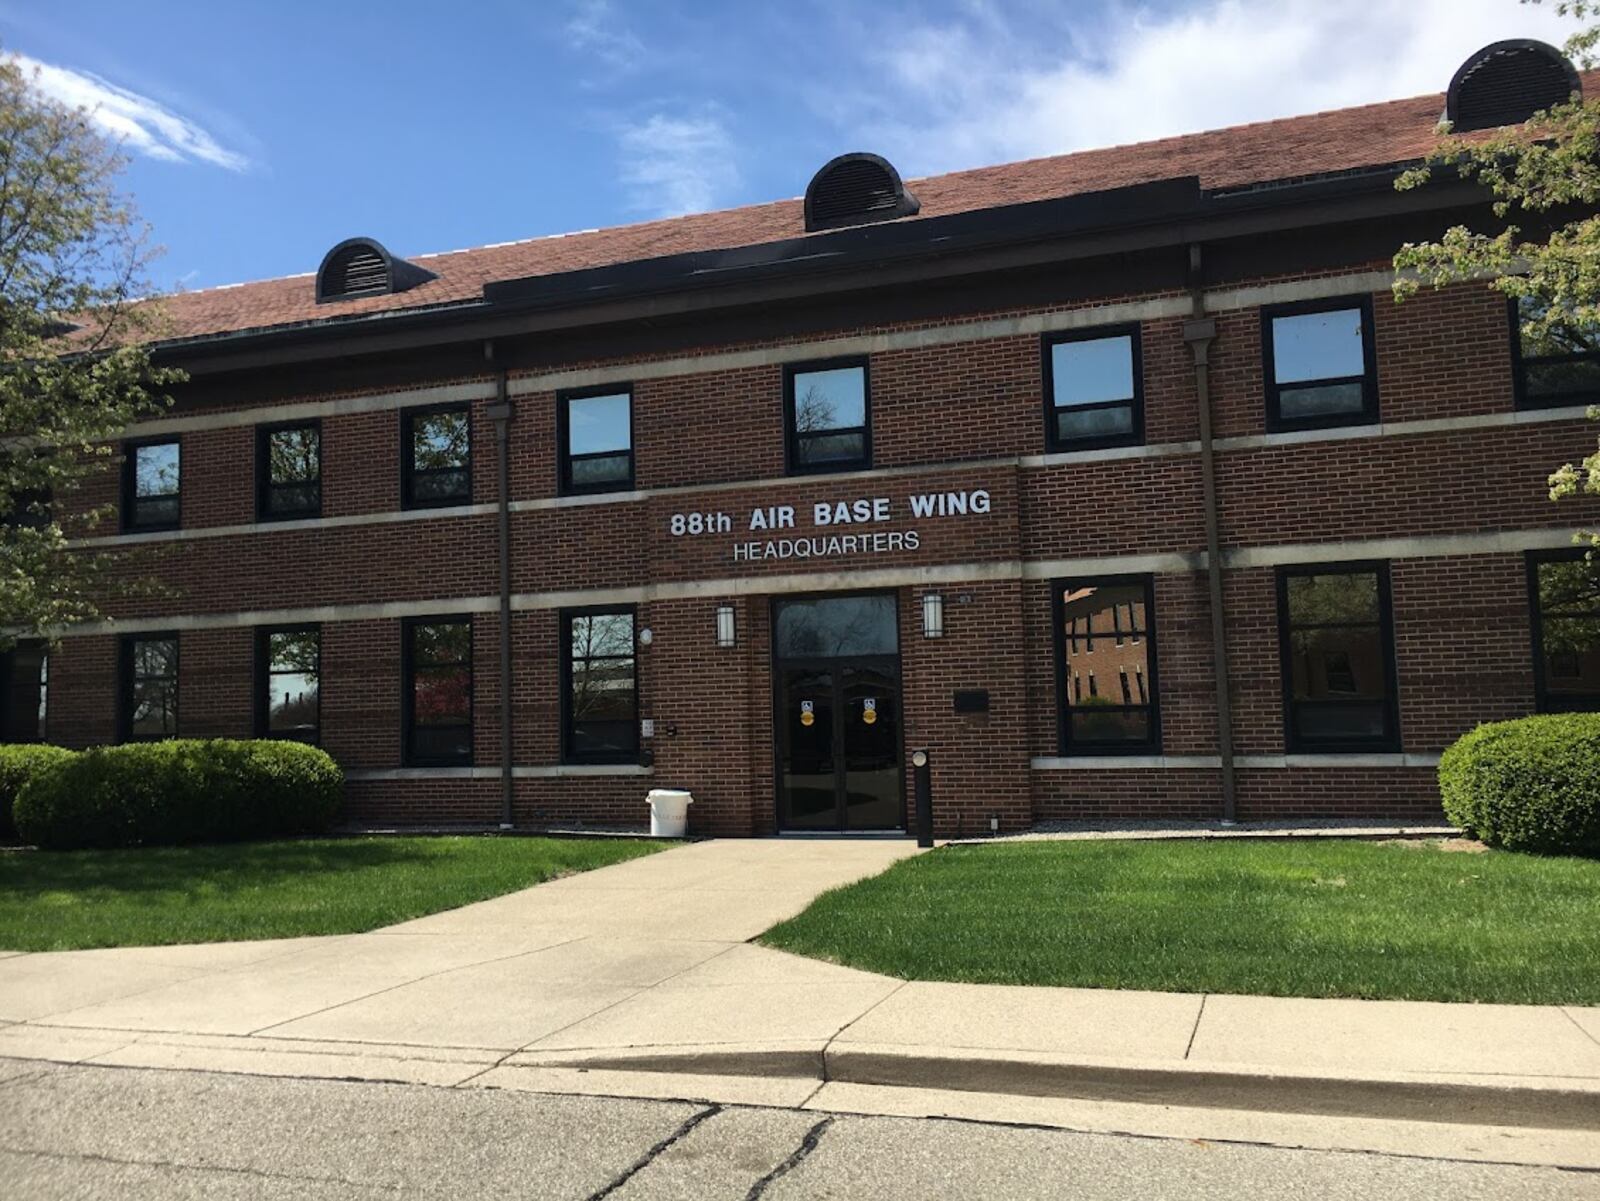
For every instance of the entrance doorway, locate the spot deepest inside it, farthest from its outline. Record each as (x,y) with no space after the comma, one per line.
(837,676)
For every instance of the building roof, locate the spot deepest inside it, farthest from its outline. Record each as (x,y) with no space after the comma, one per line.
(1372,135)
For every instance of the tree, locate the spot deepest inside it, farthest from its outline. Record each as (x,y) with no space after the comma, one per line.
(74,371)
(1544,180)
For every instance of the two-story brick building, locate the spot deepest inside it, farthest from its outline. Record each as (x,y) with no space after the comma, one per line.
(1118,481)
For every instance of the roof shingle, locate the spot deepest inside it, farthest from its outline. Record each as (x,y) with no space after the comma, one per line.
(1342,140)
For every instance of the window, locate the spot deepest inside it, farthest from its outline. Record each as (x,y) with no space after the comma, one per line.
(30,509)
(437,668)
(150,485)
(601,691)
(1094,389)
(149,667)
(596,440)
(836,627)
(1564,590)
(826,414)
(1336,641)
(1320,366)
(436,446)
(24,701)
(289,471)
(288,673)
(26,508)
(1557,363)
(1106,665)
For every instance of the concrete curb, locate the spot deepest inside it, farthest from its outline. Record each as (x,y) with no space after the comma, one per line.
(1539,1102)
(1557,1103)
(804,1062)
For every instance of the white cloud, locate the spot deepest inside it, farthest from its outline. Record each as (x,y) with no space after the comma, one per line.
(594,27)
(673,165)
(981,89)
(142,125)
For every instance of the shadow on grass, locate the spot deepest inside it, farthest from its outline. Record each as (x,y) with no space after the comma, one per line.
(224,868)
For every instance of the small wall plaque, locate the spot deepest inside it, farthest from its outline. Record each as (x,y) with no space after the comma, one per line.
(972,700)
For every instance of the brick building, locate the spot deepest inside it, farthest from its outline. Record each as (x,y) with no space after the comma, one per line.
(756,502)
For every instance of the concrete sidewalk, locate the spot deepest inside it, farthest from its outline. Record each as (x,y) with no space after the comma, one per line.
(639,978)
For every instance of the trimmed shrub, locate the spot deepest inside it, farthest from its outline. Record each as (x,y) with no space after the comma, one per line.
(19,763)
(180,791)
(1527,785)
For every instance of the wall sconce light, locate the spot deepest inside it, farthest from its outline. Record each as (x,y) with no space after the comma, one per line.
(932,615)
(725,626)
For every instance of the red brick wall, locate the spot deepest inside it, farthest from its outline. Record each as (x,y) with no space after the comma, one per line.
(1461,623)
(215,670)
(82,703)
(978,760)
(713,712)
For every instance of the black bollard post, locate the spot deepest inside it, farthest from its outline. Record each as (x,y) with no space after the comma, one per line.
(923,787)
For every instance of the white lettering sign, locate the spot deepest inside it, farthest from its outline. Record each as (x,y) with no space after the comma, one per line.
(829,516)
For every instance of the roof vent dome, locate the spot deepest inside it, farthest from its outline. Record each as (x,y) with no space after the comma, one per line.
(1506,83)
(855,189)
(362,267)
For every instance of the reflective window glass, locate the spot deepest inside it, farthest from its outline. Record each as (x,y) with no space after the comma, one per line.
(834,627)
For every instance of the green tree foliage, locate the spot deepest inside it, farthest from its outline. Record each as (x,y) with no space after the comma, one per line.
(1544,178)
(74,313)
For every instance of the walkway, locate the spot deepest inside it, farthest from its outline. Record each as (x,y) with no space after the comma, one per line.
(568,963)
(639,978)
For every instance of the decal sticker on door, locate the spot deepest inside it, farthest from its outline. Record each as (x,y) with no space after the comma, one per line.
(869,709)
(807,712)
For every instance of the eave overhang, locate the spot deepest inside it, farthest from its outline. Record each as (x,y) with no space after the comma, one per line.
(1141,217)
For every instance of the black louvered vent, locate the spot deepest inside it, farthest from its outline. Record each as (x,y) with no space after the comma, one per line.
(1506,83)
(854,189)
(362,267)
(360,271)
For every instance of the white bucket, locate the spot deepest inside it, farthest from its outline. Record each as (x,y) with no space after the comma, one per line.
(669,812)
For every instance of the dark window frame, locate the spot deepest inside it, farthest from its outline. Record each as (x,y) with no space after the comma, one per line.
(1065,745)
(1521,362)
(23,503)
(1571,702)
(1135,437)
(130,485)
(263,681)
(39,723)
(1369,411)
(1389,741)
(569,754)
(564,453)
(264,483)
(408,470)
(126,682)
(792,437)
(408,716)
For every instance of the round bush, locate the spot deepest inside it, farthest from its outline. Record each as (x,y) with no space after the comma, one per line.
(180,791)
(19,763)
(1527,785)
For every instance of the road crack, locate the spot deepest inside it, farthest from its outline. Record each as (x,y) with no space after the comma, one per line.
(650,1156)
(806,1147)
(180,1165)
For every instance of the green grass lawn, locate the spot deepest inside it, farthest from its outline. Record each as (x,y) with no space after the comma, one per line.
(57,901)
(1301,918)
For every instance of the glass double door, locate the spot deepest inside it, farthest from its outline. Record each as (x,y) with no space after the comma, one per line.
(839,745)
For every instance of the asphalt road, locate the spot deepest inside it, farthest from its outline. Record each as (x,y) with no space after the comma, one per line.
(133,1133)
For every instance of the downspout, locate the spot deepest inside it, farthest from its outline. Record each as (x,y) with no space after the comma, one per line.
(500,414)
(1199,332)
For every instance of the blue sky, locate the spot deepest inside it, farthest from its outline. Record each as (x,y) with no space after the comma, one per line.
(262,133)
